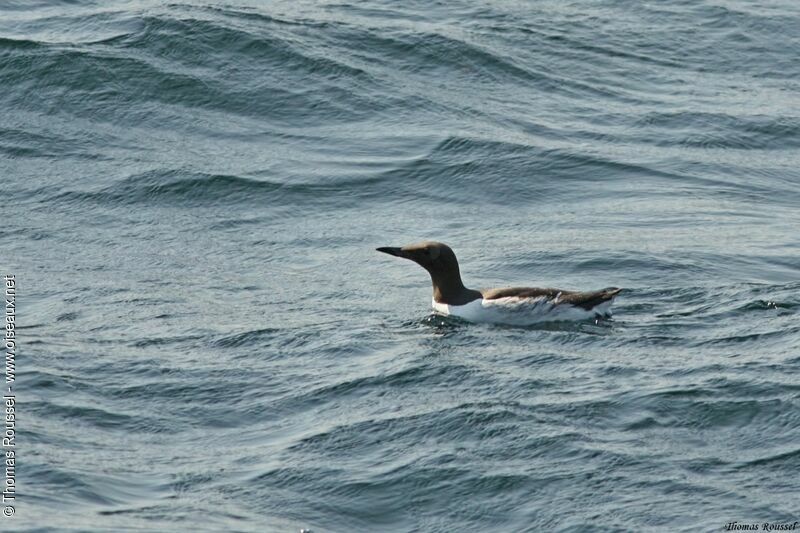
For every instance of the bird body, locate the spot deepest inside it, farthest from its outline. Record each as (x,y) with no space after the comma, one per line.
(521,311)
(510,305)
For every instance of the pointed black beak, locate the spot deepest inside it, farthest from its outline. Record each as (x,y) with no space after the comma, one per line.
(397,252)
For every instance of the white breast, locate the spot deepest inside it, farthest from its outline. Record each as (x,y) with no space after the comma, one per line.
(519,311)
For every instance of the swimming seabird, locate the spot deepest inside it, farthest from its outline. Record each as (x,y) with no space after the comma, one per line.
(511,305)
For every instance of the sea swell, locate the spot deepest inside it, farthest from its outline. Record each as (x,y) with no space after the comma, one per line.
(194,193)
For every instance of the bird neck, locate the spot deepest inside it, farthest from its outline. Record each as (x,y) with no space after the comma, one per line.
(451,290)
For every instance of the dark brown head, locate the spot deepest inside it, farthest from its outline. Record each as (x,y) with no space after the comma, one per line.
(441,263)
(435,257)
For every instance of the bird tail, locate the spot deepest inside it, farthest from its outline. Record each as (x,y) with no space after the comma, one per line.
(611,292)
(589,300)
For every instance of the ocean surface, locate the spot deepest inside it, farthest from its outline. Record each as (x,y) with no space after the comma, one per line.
(192,195)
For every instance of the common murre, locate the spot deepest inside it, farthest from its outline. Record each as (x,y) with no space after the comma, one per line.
(511,305)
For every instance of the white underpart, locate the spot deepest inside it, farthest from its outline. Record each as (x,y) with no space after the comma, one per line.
(520,311)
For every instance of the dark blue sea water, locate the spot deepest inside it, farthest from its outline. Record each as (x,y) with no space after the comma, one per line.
(192,195)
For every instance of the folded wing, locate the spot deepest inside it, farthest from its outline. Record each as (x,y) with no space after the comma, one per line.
(585,300)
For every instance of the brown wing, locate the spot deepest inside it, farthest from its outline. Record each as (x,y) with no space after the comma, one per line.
(586,300)
(519,292)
